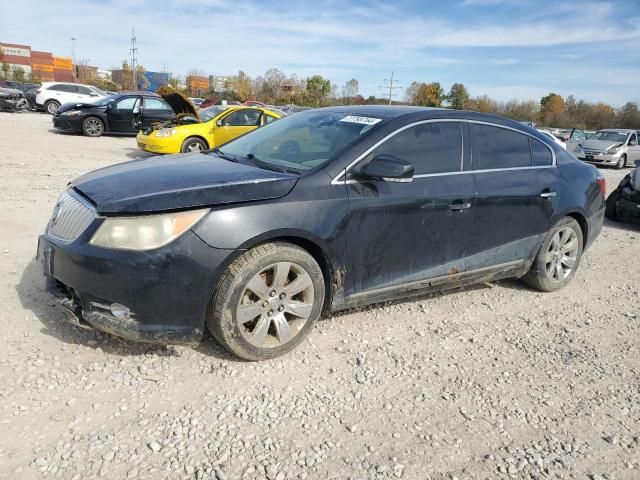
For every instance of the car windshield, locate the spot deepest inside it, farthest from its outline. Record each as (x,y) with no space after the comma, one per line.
(618,137)
(102,101)
(208,113)
(303,141)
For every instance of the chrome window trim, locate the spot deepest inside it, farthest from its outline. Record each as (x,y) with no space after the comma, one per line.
(337,179)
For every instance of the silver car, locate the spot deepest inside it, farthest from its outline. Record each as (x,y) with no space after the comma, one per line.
(616,147)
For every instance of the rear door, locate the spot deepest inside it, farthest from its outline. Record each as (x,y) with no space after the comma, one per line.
(518,188)
(155,110)
(120,114)
(403,232)
(236,123)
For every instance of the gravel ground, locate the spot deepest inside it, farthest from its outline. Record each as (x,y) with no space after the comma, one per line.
(495,381)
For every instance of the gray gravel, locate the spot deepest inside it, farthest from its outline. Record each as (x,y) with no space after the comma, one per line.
(495,381)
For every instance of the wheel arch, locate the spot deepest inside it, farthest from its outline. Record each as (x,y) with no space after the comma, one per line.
(582,221)
(199,137)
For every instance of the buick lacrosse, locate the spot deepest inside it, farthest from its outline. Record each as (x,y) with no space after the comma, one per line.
(324,210)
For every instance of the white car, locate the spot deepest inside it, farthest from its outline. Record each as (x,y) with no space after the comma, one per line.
(51,95)
(615,147)
(553,137)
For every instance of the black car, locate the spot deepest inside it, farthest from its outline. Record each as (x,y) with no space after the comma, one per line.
(112,114)
(623,204)
(325,210)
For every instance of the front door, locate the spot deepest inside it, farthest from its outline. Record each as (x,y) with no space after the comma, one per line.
(518,189)
(120,115)
(236,123)
(400,233)
(633,151)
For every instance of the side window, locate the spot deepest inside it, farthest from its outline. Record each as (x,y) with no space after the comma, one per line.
(429,147)
(126,103)
(632,140)
(61,87)
(269,118)
(84,90)
(496,147)
(578,135)
(243,118)
(155,104)
(55,88)
(541,154)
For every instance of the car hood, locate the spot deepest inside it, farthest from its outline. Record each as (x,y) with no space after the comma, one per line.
(176,182)
(178,102)
(600,145)
(78,106)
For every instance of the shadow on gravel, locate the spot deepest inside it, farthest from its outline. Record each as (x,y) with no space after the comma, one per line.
(33,297)
(629,227)
(136,153)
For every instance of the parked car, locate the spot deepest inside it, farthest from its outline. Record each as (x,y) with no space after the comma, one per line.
(623,204)
(195,130)
(552,137)
(113,114)
(27,89)
(196,101)
(616,147)
(373,203)
(12,100)
(51,95)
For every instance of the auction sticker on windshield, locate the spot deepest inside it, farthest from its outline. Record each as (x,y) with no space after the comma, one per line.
(361,120)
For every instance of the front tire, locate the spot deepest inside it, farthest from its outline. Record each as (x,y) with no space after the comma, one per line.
(191,145)
(51,107)
(558,258)
(611,210)
(622,162)
(267,301)
(92,127)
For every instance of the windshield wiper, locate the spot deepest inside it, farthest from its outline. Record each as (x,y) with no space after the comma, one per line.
(221,154)
(267,165)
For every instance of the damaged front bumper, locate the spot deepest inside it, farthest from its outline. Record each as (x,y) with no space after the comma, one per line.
(157,297)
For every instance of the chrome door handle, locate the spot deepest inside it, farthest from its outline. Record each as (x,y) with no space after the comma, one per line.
(548,194)
(456,207)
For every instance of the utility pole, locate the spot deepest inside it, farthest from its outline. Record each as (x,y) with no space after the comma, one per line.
(390,86)
(73,56)
(133,58)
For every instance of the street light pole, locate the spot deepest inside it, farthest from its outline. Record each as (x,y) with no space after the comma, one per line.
(73,56)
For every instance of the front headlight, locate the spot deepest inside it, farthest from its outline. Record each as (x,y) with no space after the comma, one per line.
(144,233)
(165,132)
(612,151)
(72,112)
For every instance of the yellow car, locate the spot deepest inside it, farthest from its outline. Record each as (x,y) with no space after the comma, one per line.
(195,130)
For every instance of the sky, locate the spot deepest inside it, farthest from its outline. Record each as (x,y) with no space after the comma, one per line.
(507,49)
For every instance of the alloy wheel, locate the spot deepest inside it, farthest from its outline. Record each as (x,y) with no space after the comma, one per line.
(195,147)
(561,257)
(275,305)
(93,127)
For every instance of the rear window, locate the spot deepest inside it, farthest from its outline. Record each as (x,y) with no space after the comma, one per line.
(496,148)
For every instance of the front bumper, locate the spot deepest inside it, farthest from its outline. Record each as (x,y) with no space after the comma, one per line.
(601,159)
(66,123)
(149,143)
(166,290)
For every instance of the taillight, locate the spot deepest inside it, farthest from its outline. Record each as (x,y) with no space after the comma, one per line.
(602,185)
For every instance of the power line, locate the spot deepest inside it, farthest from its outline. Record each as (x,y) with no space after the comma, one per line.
(390,86)
(133,51)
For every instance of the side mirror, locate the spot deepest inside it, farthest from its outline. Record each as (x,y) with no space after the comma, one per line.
(388,168)
(93,94)
(219,123)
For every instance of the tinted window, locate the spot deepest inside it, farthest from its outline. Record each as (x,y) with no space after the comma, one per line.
(496,147)
(429,147)
(84,90)
(243,118)
(61,87)
(155,104)
(126,103)
(541,154)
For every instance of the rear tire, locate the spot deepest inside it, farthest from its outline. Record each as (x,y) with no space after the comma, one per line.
(267,301)
(193,144)
(611,210)
(622,162)
(558,258)
(51,107)
(92,127)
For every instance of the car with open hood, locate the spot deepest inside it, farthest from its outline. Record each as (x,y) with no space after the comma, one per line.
(614,147)
(194,129)
(623,204)
(325,210)
(113,114)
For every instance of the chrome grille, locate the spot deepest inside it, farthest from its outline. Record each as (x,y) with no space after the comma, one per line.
(592,152)
(71,216)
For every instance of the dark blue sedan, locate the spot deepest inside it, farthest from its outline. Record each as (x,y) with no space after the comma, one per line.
(321,211)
